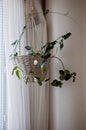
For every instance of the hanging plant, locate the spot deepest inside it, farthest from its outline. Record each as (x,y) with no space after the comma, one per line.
(33,67)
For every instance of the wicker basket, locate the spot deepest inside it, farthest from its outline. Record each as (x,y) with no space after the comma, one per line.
(26,64)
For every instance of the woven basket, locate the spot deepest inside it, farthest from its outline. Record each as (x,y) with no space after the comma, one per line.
(26,64)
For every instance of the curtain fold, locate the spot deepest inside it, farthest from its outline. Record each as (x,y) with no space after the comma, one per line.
(18,101)
(27,105)
(39,96)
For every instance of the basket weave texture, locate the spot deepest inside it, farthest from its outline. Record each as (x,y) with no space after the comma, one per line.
(26,64)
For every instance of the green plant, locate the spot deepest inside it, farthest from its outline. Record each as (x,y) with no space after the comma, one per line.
(44,54)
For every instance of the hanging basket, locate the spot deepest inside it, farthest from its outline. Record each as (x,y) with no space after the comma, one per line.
(31,63)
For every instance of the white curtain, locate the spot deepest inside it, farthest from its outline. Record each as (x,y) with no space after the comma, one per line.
(27,105)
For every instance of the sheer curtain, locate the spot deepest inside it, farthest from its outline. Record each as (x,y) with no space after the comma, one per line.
(18,101)
(27,105)
(3,87)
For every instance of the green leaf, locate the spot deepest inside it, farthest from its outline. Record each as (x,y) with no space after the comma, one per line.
(14,43)
(33,51)
(74,78)
(73,74)
(15,54)
(30,50)
(43,68)
(61,71)
(15,68)
(43,62)
(47,79)
(61,77)
(67,76)
(24,27)
(66,71)
(18,74)
(26,80)
(31,72)
(38,81)
(28,47)
(61,44)
(46,11)
(48,47)
(56,83)
(66,36)
(46,56)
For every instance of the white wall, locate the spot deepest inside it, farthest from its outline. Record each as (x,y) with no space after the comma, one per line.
(84,59)
(67,108)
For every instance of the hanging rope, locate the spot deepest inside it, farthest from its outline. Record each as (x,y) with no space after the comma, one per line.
(32,29)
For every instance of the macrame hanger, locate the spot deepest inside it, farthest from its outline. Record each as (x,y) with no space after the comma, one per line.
(19,30)
(28,14)
(26,21)
(32,24)
(31,27)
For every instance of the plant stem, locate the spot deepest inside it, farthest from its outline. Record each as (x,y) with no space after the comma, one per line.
(18,42)
(22,33)
(60,61)
(58,38)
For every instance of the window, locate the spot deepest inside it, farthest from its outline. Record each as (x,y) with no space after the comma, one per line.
(3,108)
